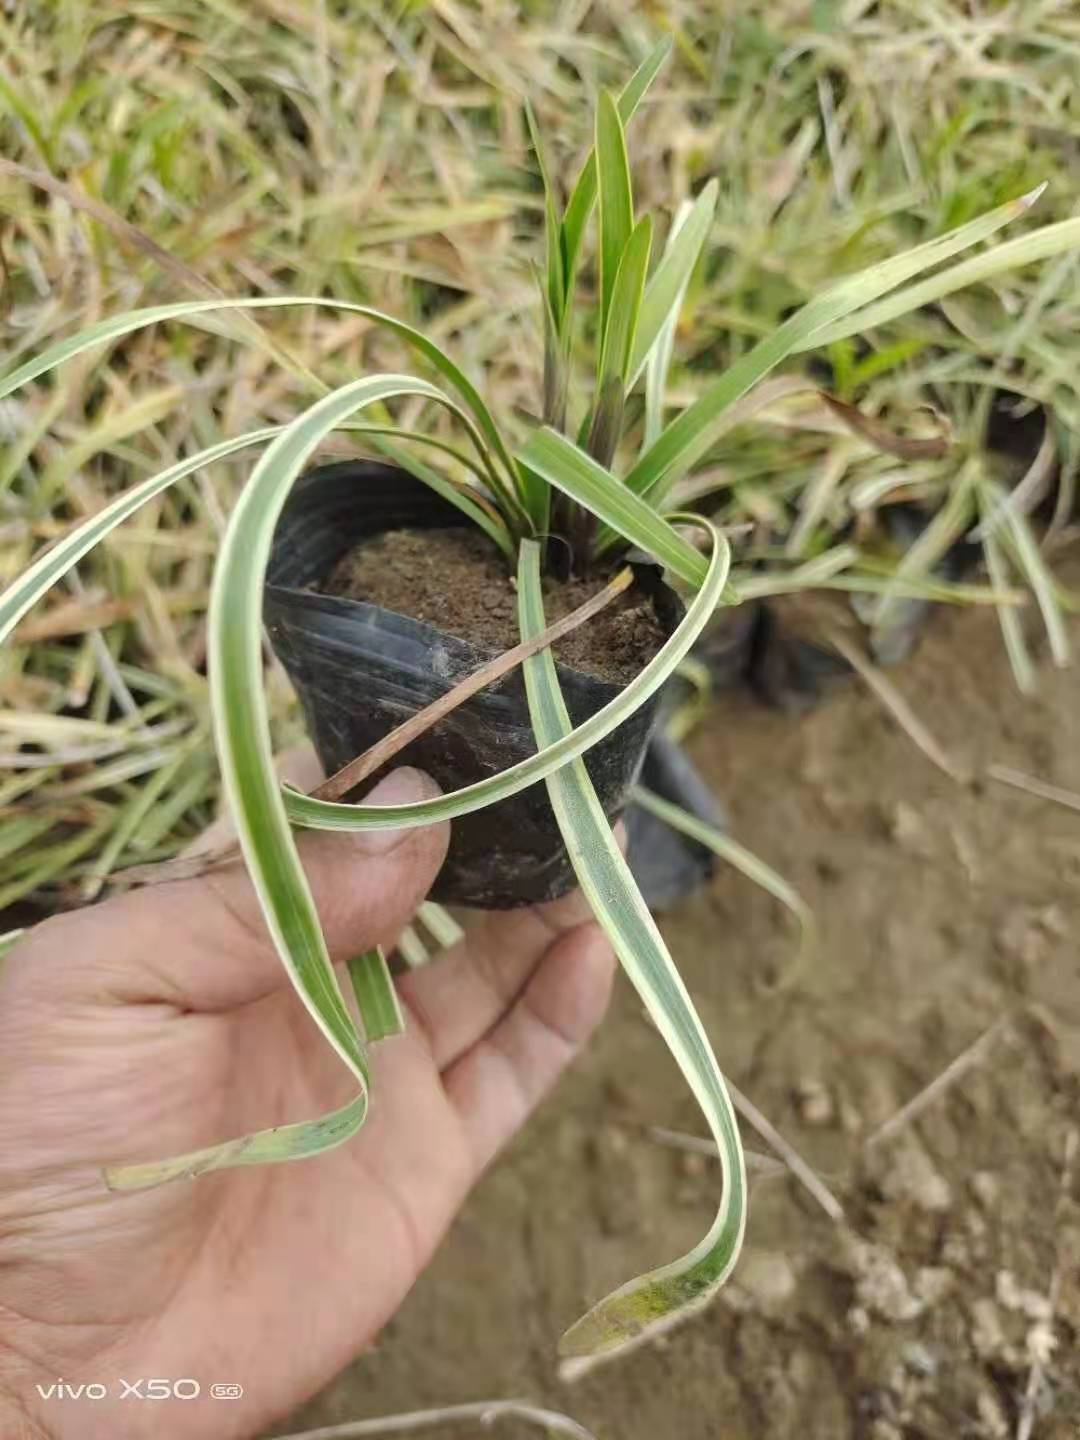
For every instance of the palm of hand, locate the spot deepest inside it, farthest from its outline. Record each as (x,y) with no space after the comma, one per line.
(159,1023)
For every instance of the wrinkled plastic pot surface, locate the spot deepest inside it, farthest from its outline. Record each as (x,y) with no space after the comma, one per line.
(360,670)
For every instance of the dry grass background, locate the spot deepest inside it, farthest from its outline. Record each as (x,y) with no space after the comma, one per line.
(377,152)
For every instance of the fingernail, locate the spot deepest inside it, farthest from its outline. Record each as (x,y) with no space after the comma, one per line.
(406,786)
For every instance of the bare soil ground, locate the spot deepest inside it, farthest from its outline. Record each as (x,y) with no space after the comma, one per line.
(946,914)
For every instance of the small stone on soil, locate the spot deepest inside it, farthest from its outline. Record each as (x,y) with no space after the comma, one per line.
(932,1284)
(986,1188)
(1013,1296)
(913,1177)
(1026,933)
(814,1103)
(881,1287)
(767,1278)
(920,1359)
(987,1334)
(909,830)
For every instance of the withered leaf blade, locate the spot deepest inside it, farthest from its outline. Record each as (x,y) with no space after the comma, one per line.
(928,447)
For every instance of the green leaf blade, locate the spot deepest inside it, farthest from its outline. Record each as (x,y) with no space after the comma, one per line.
(583,198)
(659,1298)
(691,436)
(242,731)
(576,474)
(1041,244)
(295,1141)
(610,402)
(554,269)
(616,200)
(376,997)
(241,720)
(626,301)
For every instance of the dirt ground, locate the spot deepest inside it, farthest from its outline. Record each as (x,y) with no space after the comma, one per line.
(945,913)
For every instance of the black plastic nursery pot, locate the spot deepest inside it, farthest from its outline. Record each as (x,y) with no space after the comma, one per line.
(360,670)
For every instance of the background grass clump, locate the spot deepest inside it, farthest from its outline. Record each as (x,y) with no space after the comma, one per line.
(378,152)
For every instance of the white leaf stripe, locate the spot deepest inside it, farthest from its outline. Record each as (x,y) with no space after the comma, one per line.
(1041,244)
(282,1142)
(654,1299)
(241,721)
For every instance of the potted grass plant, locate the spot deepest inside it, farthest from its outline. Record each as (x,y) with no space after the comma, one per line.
(570,497)
(362,550)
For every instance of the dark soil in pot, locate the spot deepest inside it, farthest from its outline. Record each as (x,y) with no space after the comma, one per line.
(457,580)
(362,666)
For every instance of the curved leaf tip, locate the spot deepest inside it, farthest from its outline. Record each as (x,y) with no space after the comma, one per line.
(645,1307)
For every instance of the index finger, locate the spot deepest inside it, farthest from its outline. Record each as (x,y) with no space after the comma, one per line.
(203,944)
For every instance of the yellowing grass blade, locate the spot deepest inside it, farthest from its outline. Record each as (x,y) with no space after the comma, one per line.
(946,527)
(656,1300)
(1012,629)
(1016,534)
(442,925)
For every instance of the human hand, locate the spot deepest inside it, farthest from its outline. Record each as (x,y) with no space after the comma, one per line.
(163,1021)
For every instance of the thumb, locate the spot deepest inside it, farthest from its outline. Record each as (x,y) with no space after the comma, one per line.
(203,944)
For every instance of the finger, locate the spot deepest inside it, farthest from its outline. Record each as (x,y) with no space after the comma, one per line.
(462,993)
(498,1083)
(203,944)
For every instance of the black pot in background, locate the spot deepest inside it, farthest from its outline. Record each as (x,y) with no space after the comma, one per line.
(361,670)
(667,865)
